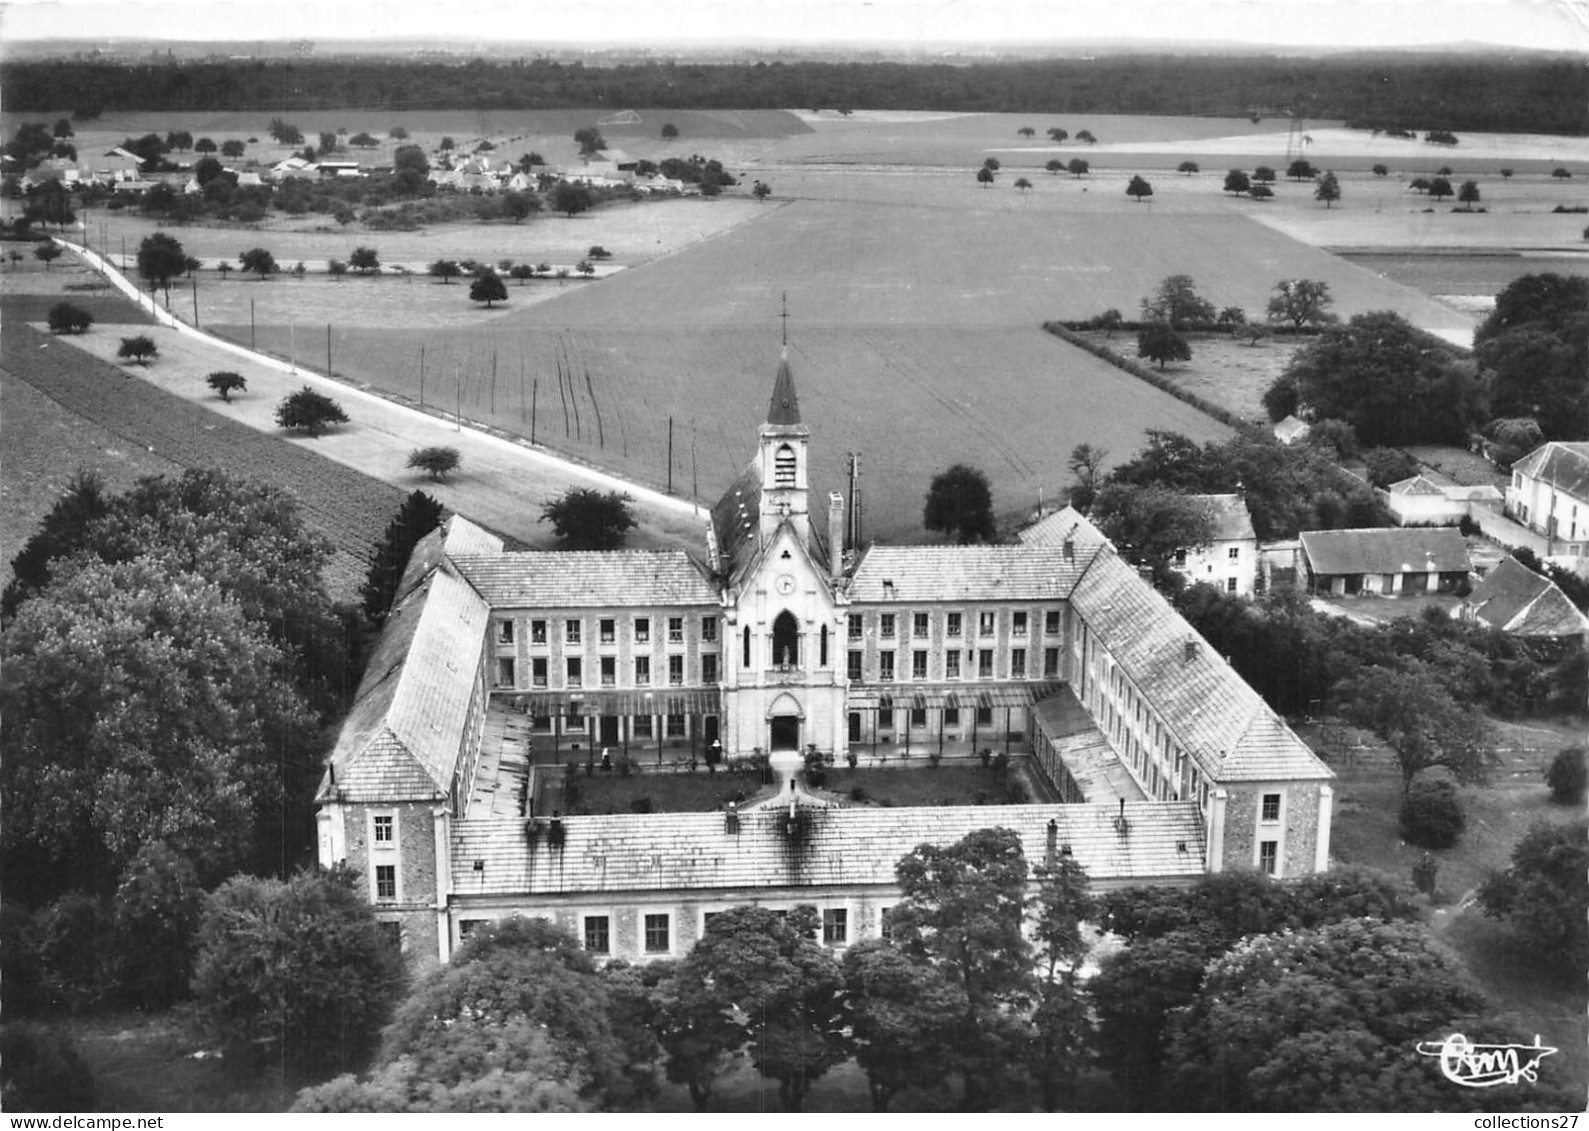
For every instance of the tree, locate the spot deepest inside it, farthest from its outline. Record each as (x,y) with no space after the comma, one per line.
(1158,342)
(293,972)
(1507,174)
(364,260)
(446,144)
(585,267)
(522,271)
(1109,321)
(1561,173)
(259,261)
(1443,171)
(1543,893)
(1263,175)
(1393,383)
(1417,717)
(1058,135)
(1152,524)
(761,190)
(161,259)
(1381,170)
(363,140)
(436,462)
(397,133)
(1054,166)
(1023,184)
(1177,303)
(172,728)
(41,1070)
(1139,188)
(985,176)
(417,517)
(444,269)
(960,505)
(1300,170)
(1078,167)
(590,141)
(991,164)
(1568,776)
(155,925)
(1301,302)
(1187,168)
(1439,188)
(1086,464)
(47,253)
(285,133)
(583,518)
(571,199)
(1536,345)
(1237,182)
(1419,184)
(962,911)
(1431,815)
(1388,465)
(520,206)
(903,1014)
(63,128)
(1328,190)
(1026,131)
(669,131)
(488,287)
(233,148)
(64,318)
(139,348)
(310,411)
(1060,1044)
(1086,136)
(1260,192)
(226,383)
(180,140)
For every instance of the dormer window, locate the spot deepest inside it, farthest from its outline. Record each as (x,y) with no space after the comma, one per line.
(783,467)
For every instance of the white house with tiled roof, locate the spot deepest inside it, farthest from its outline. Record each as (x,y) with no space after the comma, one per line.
(1549,494)
(1229,561)
(1152,759)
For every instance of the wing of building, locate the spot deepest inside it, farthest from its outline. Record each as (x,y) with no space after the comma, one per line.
(1151,759)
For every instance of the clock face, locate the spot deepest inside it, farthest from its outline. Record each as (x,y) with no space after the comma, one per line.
(785,583)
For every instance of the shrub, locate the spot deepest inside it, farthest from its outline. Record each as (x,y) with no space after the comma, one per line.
(1568,776)
(40,1070)
(68,319)
(1431,816)
(139,347)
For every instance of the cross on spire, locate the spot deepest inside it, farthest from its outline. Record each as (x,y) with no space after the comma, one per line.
(785,317)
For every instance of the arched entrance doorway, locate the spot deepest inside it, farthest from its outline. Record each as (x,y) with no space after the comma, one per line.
(783,723)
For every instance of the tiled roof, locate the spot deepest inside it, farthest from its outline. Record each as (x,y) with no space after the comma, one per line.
(464,537)
(785,405)
(968,573)
(1065,523)
(1208,708)
(586,579)
(1416,485)
(737,516)
(1564,465)
(1290,429)
(1515,599)
(1386,550)
(844,846)
(1232,520)
(400,740)
(1089,759)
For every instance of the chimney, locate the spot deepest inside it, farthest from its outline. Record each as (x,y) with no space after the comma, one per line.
(1189,653)
(731,819)
(835,535)
(1053,840)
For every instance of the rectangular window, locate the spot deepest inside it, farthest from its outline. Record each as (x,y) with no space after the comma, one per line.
(571,631)
(642,726)
(541,722)
(856,627)
(853,669)
(1268,856)
(885,666)
(986,623)
(1180,559)
(537,632)
(573,720)
(657,941)
(598,935)
(642,630)
(1051,622)
(675,726)
(885,626)
(383,829)
(984,716)
(504,632)
(918,716)
(1018,624)
(1234,554)
(985,664)
(538,671)
(921,626)
(609,671)
(918,664)
(576,672)
(506,675)
(951,716)
(642,671)
(952,624)
(675,671)
(884,930)
(1050,663)
(1018,663)
(708,669)
(709,630)
(675,630)
(1271,807)
(386,881)
(392,935)
(951,665)
(1230,585)
(609,630)
(835,926)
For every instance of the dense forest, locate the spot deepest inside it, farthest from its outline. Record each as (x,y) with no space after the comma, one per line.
(1536,95)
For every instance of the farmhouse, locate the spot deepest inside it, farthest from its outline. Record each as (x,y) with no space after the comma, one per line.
(1549,494)
(1420,501)
(1385,561)
(502,680)
(1230,561)
(1518,601)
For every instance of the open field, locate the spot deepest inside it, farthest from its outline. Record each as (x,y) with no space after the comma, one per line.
(1229,371)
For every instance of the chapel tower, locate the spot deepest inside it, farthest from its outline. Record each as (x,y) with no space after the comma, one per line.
(783,453)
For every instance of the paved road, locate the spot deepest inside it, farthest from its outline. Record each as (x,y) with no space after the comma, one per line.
(503,483)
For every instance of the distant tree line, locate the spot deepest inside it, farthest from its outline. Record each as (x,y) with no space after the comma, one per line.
(1402,92)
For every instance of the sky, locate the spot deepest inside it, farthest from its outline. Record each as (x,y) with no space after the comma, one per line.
(1547,24)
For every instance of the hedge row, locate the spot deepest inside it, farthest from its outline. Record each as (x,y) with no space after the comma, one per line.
(1157,380)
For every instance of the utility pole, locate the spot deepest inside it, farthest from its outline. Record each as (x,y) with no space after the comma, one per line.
(670,455)
(250,323)
(457,388)
(493,379)
(328,349)
(195,283)
(421,374)
(535,395)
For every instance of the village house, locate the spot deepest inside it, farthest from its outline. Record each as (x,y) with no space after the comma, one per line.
(1230,560)
(1549,494)
(502,678)
(1420,501)
(1385,561)
(1518,601)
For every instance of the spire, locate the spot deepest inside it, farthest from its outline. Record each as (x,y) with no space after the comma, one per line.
(785,406)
